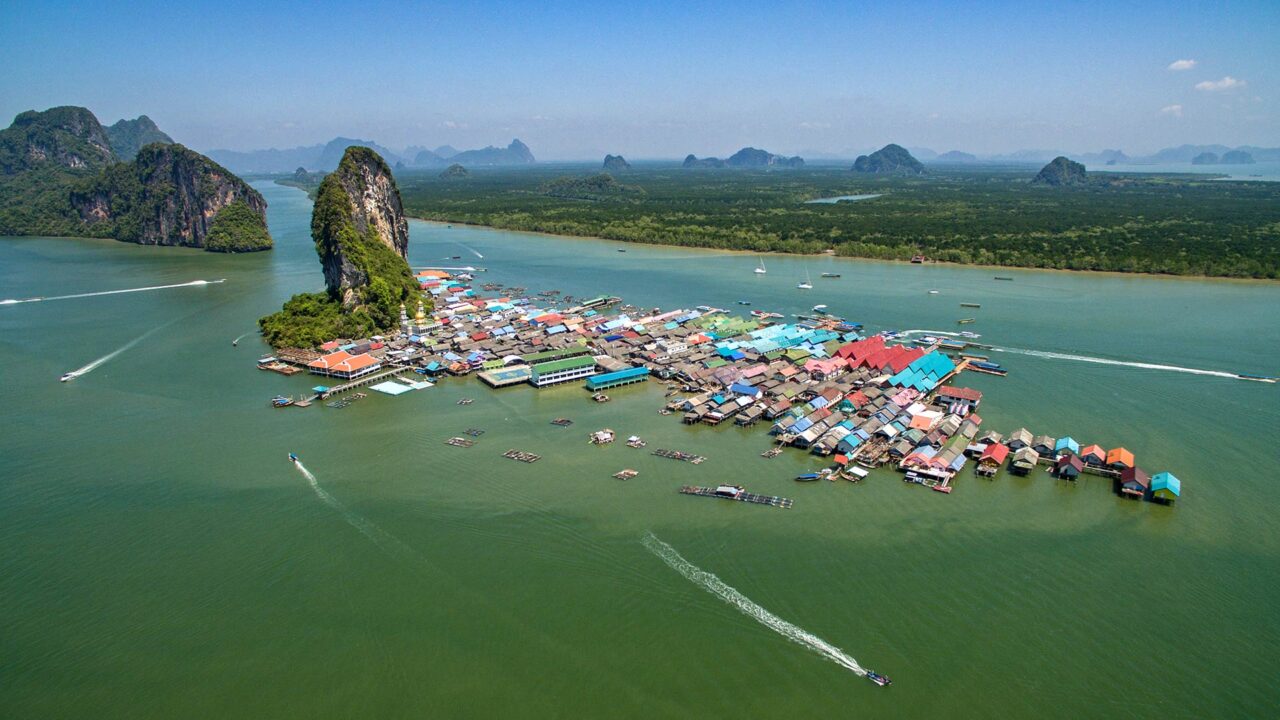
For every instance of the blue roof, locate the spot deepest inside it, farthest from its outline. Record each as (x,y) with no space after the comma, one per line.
(1067,443)
(1166,481)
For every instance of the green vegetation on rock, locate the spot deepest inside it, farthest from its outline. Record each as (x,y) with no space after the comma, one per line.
(1061,172)
(601,186)
(891,160)
(362,238)
(60,176)
(237,228)
(129,136)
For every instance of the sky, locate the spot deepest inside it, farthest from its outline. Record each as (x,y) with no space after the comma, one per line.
(659,79)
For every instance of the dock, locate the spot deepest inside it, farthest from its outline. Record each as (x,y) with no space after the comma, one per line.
(741,496)
(677,455)
(522,456)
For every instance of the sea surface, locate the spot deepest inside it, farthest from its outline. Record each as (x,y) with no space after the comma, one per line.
(1262,171)
(840,198)
(161,558)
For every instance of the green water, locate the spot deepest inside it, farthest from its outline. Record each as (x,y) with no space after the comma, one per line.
(160,558)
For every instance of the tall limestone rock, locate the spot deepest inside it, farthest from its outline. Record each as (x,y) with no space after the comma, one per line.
(889,160)
(129,136)
(359,227)
(66,138)
(170,195)
(1061,172)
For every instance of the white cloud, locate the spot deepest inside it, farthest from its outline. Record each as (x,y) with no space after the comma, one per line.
(453,125)
(1226,83)
(1182,64)
(1174,110)
(808,125)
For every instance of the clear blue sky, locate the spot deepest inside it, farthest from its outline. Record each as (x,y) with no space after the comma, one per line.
(659,79)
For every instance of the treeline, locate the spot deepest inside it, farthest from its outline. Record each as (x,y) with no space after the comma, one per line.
(1179,225)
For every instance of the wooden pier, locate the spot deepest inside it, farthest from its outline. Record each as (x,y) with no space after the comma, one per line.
(361,382)
(741,496)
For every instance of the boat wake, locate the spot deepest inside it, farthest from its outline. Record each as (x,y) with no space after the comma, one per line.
(930,332)
(468,249)
(237,340)
(387,542)
(193,283)
(1122,363)
(717,587)
(112,355)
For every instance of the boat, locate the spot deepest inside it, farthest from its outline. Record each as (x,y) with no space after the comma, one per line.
(1256,378)
(830,275)
(933,292)
(877,678)
(969,334)
(966,321)
(760,270)
(971,305)
(988,368)
(293,458)
(744,302)
(917,259)
(67,377)
(235,343)
(807,477)
(762,315)
(807,284)
(853,473)
(1004,278)
(820,309)
(621,250)
(280,401)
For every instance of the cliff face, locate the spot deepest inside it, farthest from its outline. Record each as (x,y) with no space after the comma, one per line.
(362,239)
(890,159)
(168,195)
(67,138)
(753,157)
(129,136)
(616,162)
(1061,171)
(360,231)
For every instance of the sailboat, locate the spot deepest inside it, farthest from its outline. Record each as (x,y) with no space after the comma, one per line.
(808,282)
(760,270)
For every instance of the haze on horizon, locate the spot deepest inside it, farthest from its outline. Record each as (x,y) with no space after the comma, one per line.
(576,80)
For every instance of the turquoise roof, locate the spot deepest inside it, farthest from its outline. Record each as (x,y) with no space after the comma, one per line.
(1166,481)
(1067,443)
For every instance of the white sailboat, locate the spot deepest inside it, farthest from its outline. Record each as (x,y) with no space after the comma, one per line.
(808,282)
(760,269)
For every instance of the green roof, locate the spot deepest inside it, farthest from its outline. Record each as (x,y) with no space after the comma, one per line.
(572,363)
(558,354)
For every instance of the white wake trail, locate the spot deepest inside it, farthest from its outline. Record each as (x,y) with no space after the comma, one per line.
(111,355)
(930,332)
(1122,363)
(193,283)
(714,585)
(468,249)
(389,543)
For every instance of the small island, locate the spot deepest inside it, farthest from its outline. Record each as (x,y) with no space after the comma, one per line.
(889,160)
(1061,172)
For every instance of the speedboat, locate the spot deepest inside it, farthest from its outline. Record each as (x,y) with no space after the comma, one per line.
(293,458)
(820,309)
(933,292)
(878,679)
(760,270)
(67,377)
(744,302)
(808,477)
(830,275)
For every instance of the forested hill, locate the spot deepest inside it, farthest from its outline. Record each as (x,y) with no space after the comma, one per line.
(1181,225)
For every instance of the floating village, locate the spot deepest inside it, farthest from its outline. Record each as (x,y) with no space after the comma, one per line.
(816,382)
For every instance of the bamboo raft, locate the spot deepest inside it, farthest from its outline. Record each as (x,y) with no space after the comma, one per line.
(626,474)
(562,422)
(677,455)
(522,456)
(460,442)
(742,496)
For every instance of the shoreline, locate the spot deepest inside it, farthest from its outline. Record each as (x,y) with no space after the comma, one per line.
(855,258)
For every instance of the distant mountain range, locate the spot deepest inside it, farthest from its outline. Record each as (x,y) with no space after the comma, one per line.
(325,158)
(1167,156)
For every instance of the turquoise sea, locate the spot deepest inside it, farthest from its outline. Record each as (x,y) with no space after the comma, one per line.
(160,557)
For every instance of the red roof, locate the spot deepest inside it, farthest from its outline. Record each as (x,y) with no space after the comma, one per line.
(1095,450)
(995,452)
(960,393)
(343,362)
(478,336)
